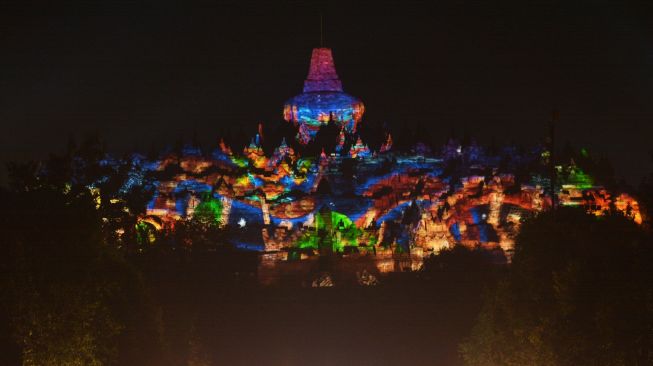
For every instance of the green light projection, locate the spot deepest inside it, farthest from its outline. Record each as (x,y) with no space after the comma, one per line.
(336,230)
(575,177)
(145,233)
(209,211)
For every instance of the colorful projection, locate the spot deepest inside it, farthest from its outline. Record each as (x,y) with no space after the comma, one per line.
(322,100)
(334,232)
(209,211)
(386,209)
(395,207)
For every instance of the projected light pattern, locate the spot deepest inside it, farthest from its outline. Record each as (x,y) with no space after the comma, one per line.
(322,100)
(394,208)
(391,206)
(413,203)
(383,208)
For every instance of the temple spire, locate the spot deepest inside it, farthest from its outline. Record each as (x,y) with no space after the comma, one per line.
(322,74)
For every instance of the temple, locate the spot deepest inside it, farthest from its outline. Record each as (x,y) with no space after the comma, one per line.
(356,213)
(322,100)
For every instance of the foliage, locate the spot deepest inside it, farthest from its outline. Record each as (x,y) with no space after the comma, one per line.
(145,234)
(579,292)
(121,188)
(645,194)
(203,230)
(70,298)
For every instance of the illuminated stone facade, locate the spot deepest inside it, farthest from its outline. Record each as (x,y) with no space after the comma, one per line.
(383,215)
(393,217)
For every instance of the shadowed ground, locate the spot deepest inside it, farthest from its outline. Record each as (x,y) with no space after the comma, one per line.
(403,321)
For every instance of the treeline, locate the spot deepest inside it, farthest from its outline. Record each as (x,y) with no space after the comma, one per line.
(76,284)
(579,292)
(68,297)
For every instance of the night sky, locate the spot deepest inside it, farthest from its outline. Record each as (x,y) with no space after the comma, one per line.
(142,75)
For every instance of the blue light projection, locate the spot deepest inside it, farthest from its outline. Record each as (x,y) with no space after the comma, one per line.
(322,100)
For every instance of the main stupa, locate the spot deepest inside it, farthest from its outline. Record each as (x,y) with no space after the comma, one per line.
(323,99)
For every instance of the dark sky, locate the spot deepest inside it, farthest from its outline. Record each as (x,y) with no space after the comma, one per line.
(145,73)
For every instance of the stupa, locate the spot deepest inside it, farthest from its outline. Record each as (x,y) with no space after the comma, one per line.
(322,100)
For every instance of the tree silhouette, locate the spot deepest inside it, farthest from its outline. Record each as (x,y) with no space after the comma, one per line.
(70,297)
(579,292)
